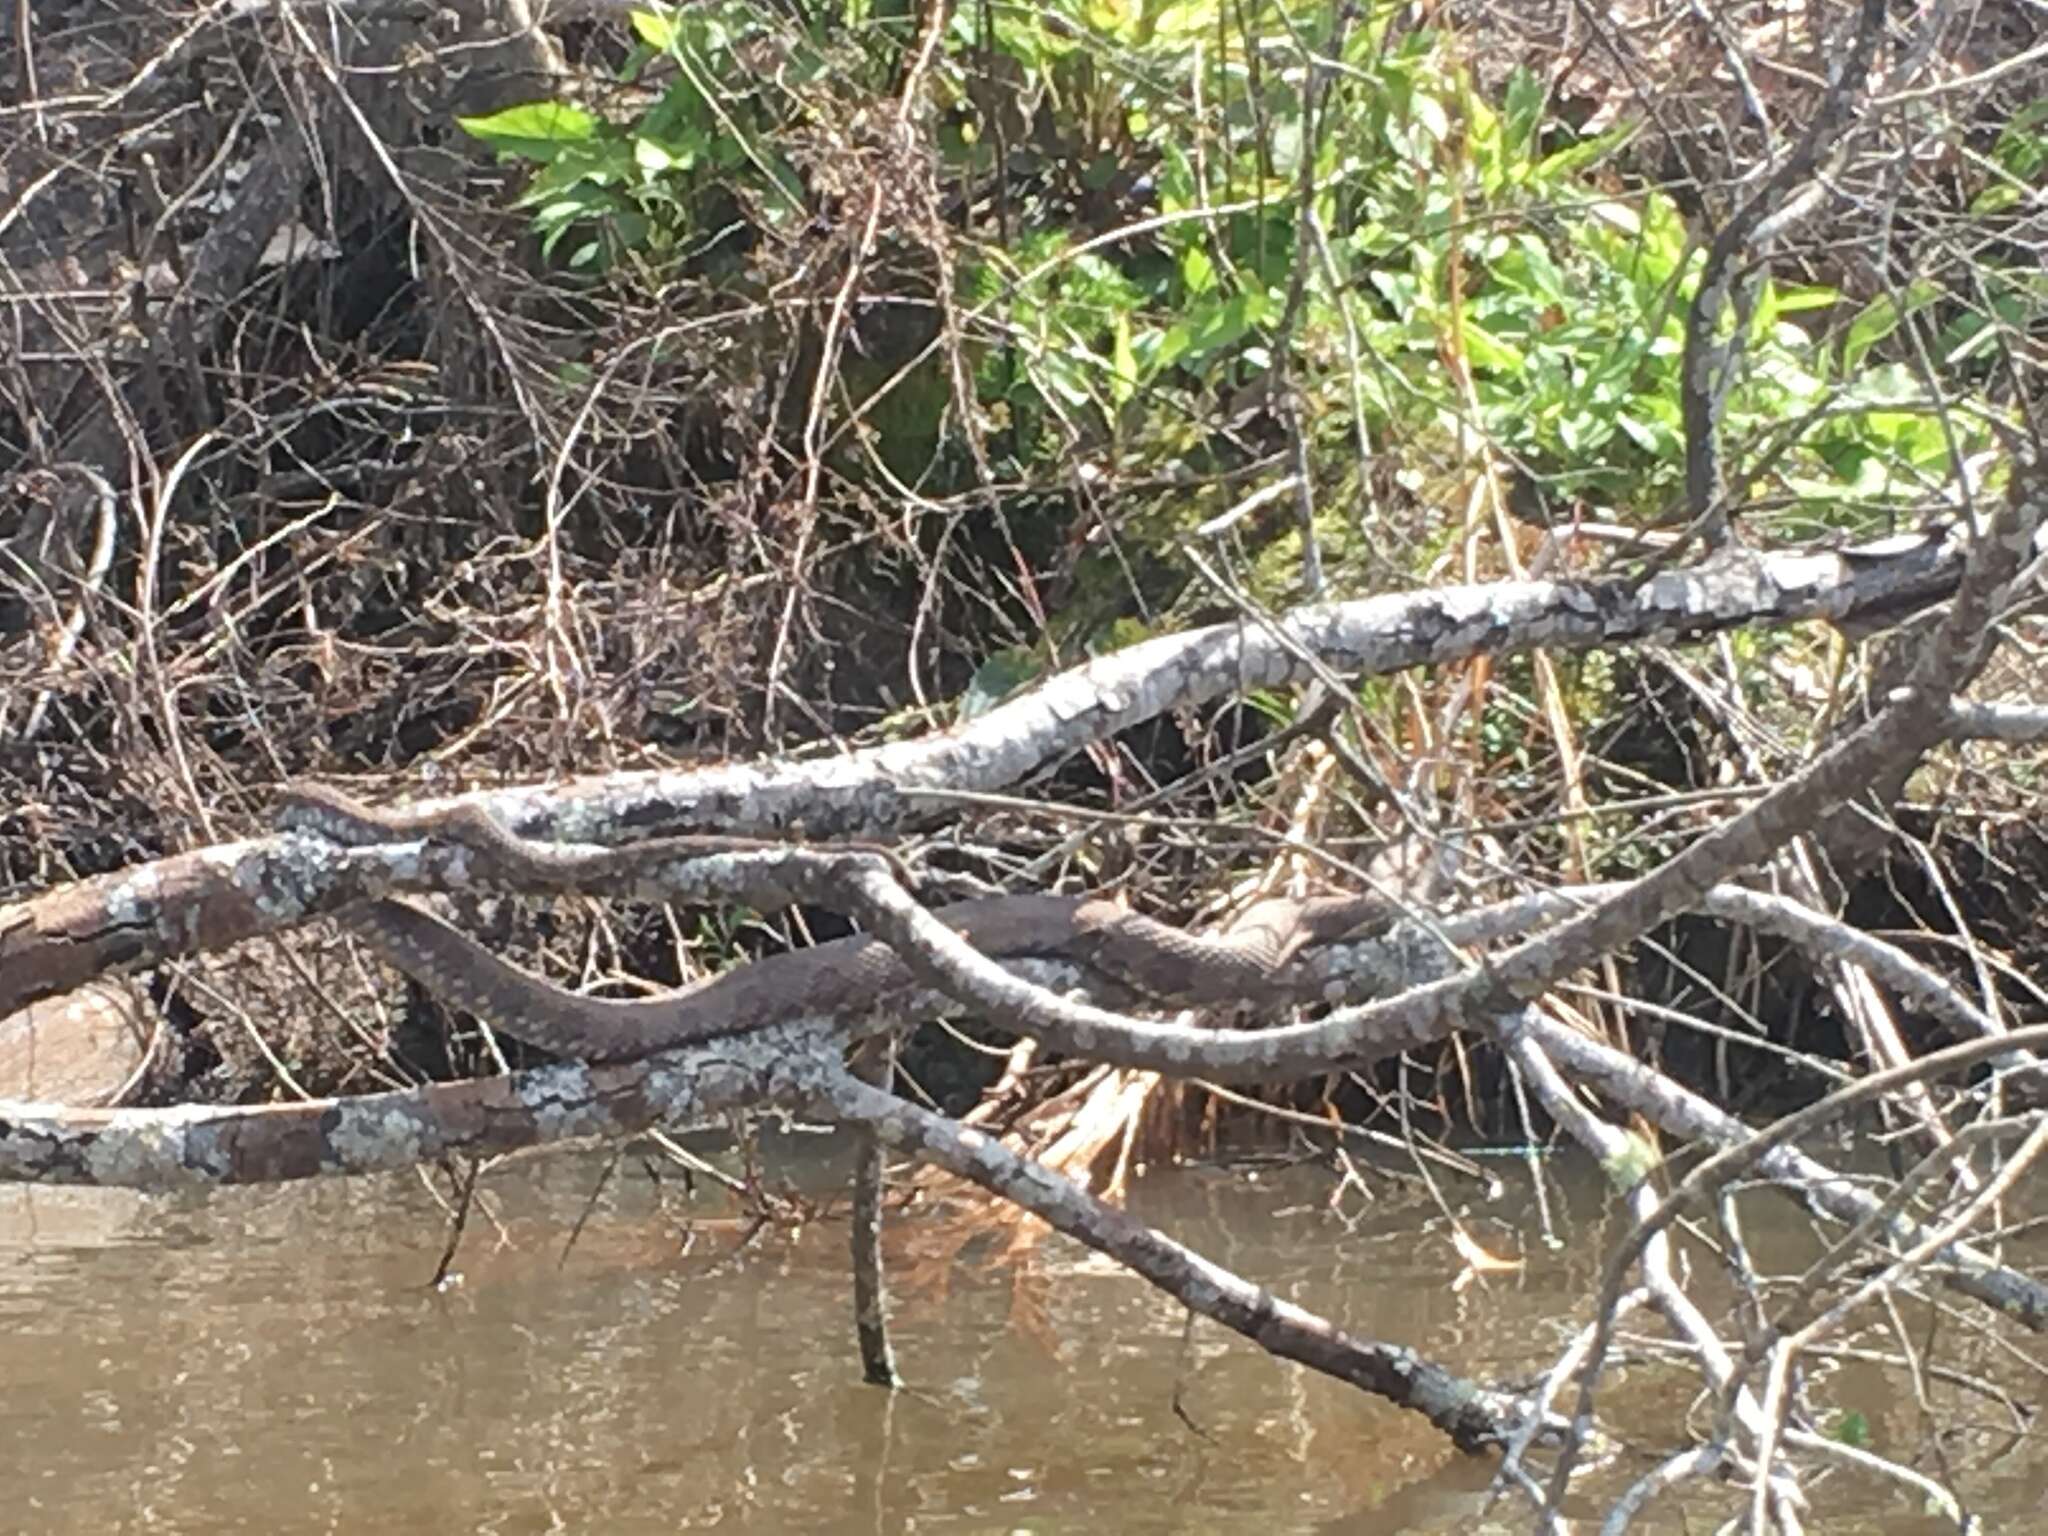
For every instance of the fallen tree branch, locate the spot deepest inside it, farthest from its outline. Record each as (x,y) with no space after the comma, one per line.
(190,903)
(1474,1417)
(1769,1151)
(382,1132)
(1613,1147)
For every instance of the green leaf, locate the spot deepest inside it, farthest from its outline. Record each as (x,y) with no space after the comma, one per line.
(539,130)
(1536,268)
(1525,100)
(1574,158)
(1651,437)
(1879,318)
(1275,708)
(1970,335)
(1429,115)
(1581,433)
(1123,381)
(2022,148)
(1119,634)
(1180,21)
(1212,327)
(1618,215)
(1793,297)
(567,210)
(652,156)
(1489,352)
(657,29)
(632,228)
(1117,19)
(999,677)
(1635,1161)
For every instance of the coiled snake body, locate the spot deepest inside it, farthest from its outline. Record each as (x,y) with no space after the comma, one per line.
(856,976)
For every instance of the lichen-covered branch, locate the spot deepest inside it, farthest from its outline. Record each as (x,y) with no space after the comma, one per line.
(1677,1110)
(377,1133)
(192,903)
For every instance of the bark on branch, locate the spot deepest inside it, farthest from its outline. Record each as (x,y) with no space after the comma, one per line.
(193,903)
(1474,1416)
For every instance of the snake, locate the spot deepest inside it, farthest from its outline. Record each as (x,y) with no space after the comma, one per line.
(858,976)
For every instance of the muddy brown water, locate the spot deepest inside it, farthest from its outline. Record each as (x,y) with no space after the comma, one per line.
(273,1360)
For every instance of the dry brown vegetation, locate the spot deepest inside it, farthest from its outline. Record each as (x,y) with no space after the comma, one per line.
(794,384)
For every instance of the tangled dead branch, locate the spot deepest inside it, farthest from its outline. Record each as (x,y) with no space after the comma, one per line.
(323,458)
(785,1051)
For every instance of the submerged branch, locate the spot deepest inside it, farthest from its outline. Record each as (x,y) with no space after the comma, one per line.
(1475,1417)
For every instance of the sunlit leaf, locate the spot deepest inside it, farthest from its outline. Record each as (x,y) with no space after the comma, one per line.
(539,130)
(1636,1161)
(1119,634)
(1574,158)
(1123,381)
(657,29)
(652,156)
(1790,298)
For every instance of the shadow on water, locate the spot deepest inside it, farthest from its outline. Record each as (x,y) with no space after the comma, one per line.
(272,1360)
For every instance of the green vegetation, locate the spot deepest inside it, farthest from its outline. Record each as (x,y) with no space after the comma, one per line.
(1099,273)
(1149,209)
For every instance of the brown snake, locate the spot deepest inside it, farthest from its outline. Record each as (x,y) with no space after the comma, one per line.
(848,977)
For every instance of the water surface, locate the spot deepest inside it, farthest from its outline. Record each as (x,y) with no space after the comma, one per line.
(275,1360)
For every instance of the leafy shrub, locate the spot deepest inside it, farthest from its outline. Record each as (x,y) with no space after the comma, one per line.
(1152,205)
